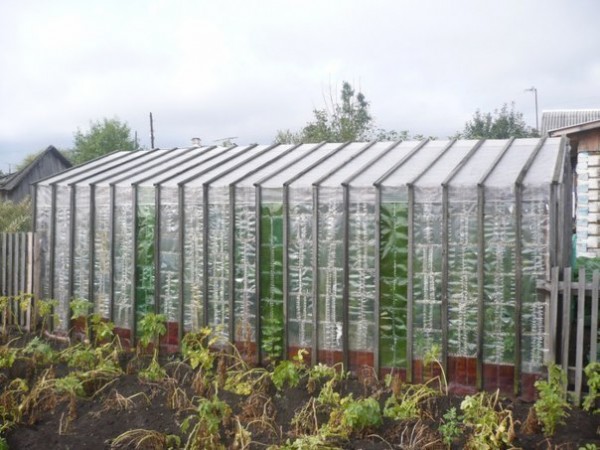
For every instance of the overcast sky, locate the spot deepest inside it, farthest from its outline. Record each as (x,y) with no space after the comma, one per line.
(216,69)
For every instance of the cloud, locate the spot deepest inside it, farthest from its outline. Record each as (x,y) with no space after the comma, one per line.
(247,69)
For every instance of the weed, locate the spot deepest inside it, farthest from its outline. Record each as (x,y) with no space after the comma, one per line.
(45,311)
(491,427)
(195,347)
(354,416)
(141,439)
(41,397)
(450,429)
(242,438)
(328,396)
(433,357)
(40,351)
(205,433)
(102,330)
(323,372)
(72,387)
(551,406)
(7,357)
(592,373)
(154,372)
(151,327)
(408,404)
(289,372)
(80,309)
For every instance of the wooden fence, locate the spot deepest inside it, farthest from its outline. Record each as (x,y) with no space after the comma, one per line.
(573,323)
(19,275)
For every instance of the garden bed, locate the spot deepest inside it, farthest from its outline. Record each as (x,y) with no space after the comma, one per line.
(207,398)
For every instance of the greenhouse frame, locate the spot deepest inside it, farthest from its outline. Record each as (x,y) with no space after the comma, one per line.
(369,254)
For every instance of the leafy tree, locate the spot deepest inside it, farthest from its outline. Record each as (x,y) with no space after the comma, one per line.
(501,124)
(103,137)
(15,217)
(340,121)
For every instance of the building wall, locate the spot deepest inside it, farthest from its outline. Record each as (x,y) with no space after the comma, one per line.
(588,194)
(47,166)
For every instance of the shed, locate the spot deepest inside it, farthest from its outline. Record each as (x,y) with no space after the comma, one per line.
(584,140)
(17,185)
(361,253)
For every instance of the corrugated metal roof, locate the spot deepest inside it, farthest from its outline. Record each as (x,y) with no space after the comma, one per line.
(551,120)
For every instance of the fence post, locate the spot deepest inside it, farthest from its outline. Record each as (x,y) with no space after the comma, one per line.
(566,319)
(594,319)
(579,342)
(553,314)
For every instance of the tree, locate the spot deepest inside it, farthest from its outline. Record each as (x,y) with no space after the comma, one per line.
(502,124)
(103,137)
(349,120)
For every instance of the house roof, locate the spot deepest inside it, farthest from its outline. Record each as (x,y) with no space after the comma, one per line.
(556,119)
(586,126)
(10,181)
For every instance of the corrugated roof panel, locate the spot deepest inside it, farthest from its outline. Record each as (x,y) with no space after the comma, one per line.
(551,120)
(382,164)
(130,167)
(439,171)
(332,163)
(277,180)
(358,163)
(197,157)
(86,168)
(255,163)
(416,164)
(542,169)
(506,172)
(131,164)
(247,157)
(470,174)
(213,161)
(301,155)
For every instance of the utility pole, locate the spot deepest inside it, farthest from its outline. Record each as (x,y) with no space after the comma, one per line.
(151,132)
(534,90)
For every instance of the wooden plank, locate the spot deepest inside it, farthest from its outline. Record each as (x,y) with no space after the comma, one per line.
(594,318)
(553,314)
(579,342)
(30,240)
(4,263)
(10,276)
(24,275)
(566,319)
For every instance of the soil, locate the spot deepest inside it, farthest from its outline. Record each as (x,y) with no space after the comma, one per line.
(266,413)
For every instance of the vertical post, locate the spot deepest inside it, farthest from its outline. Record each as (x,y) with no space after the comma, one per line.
(258,237)
(134,264)
(181,268)
(72,225)
(410,285)
(231,238)
(594,318)
(286,269)
(579,342)
(445,246)
(91,246)
(518,286)
(315,270)
(553,315)
(157,249)
(377,300)
(52,244)
(480,283)
(346,277)
(111,268)
(30,285)
(205,256)
(566,320)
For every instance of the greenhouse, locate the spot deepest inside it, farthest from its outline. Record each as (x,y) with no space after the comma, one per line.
(361,253)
